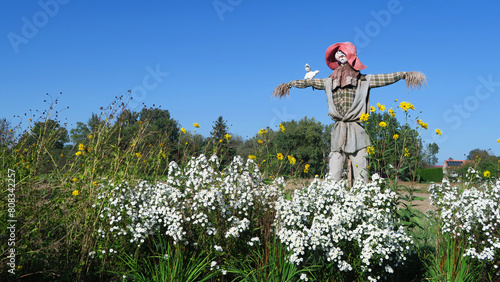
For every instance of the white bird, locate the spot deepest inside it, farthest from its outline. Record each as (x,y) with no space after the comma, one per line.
(310,74)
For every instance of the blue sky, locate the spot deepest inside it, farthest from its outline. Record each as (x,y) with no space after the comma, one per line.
(202,59)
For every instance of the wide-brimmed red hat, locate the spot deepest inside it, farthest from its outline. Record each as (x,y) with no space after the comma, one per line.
(349,49)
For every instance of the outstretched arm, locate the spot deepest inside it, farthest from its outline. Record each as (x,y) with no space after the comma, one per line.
(283,89)
(412,79)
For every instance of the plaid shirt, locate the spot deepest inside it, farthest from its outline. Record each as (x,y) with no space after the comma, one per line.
(344,97)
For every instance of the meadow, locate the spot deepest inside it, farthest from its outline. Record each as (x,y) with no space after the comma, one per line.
(137,197)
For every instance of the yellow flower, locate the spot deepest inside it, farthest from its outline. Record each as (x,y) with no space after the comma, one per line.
(197,125)
(364,117)
(407,153)
(81,147)
(438,132)
(306,168)
(227,136)
(405,106)
(252,157)
(395,136)
(29,119)
(292,159)
(139,122)
(90,136)
(220,140)
(27,166)
(75,179)
(391,112)
(183,130)
(259,141)
(487,173)
(372,109)
(381,107)
(282,128)
(279,156)
(262,132)
(498,141)
(370,150)
(94,183)
(75,193)
(138,155)
(163,155)
(78,153)
(62,155)
(382,124)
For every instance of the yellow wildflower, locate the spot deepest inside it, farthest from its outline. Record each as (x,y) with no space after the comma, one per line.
(395,136)
(138,155)
(262,132)
(407,153)
(498,141)
(306,168)
(90,136)
(391,112)
(227,136)
(382,124)
(78,153)
(282,128)
(292,159)
(487,173)
(364,117)
(75,193)
(405,106)
(183,130)
(370,150)
(75,179)
(220,140)
(279,156)
(81,147)
(372,109)
(62,155)
(438,132)
(94,183)
(259,141)
(163,155)
(197,125)
(29,119)
(139,122)
(381,107)
(252,157)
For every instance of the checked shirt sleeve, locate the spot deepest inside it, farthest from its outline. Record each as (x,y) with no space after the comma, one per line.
(316,83)
(384,79)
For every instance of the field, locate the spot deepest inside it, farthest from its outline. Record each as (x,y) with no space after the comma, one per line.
(138,198)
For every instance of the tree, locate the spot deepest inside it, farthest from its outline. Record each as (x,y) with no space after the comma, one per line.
(430,154)
(82,130)
(307,140)
(50,132)
(6,136)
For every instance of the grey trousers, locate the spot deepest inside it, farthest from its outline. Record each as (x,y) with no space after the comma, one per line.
(358,160)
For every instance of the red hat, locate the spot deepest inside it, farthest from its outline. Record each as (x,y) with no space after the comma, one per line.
(349,49)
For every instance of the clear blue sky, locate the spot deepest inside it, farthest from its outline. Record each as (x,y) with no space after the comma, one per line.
(203,59)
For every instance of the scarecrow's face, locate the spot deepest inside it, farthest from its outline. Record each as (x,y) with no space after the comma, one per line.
(340,57)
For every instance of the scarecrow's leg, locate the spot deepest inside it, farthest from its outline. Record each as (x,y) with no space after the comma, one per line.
(337,160)
(359,164)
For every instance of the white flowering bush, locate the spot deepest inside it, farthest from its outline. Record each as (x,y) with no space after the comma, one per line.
(473,214)
(200,205)
(352,228)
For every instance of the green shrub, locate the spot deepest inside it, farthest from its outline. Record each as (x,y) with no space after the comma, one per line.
(434,174)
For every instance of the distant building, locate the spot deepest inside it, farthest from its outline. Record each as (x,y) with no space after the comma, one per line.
(453,164)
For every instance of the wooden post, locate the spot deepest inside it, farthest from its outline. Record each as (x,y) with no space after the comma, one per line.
(349,173)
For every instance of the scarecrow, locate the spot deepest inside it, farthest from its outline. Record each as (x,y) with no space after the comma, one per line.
(348,97)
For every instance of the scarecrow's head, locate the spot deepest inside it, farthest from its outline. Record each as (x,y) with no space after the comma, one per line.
(340,53)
